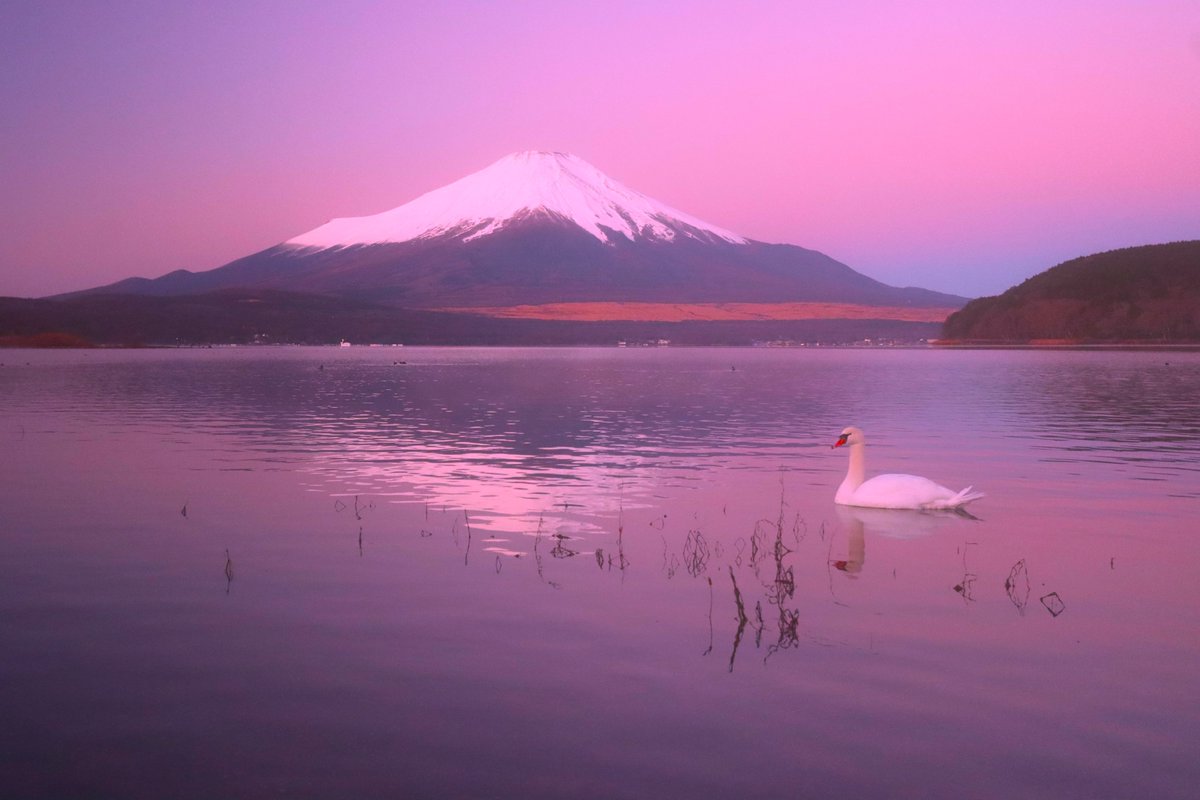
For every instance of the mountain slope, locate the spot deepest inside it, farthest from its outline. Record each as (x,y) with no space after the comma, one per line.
(1149,293)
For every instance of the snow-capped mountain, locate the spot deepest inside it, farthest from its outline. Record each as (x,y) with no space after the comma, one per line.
(518,186)
(538,228)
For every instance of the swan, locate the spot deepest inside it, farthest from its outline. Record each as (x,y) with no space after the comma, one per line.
(892,490)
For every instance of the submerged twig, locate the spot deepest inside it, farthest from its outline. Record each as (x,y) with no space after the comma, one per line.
(1016,585)
(710,619)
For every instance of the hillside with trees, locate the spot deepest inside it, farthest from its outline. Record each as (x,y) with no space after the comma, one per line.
(1148,294)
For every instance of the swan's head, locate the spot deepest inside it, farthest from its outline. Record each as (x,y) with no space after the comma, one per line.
(851,436)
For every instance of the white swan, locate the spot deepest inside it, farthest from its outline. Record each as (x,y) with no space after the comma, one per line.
(892,490)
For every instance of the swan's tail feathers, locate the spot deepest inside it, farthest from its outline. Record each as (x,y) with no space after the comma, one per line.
(964,497)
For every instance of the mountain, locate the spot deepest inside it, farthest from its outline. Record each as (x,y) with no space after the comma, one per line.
(1137,294)
(540,228)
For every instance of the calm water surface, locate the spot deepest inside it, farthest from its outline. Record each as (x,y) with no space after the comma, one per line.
(380,572)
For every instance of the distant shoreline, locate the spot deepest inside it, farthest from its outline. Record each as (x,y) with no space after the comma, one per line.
(28,343)
(1058,344)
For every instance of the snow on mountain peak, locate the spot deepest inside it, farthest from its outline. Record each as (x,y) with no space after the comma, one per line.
(525,182)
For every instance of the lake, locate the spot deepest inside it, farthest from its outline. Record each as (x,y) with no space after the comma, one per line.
(596,573)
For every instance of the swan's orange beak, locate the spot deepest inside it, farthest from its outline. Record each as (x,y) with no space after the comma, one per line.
(841,441)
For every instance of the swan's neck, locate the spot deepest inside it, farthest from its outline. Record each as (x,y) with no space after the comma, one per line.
(855,474)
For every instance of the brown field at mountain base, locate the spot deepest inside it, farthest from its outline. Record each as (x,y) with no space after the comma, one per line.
(704,312)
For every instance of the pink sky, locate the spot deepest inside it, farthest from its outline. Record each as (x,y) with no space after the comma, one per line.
(958,146)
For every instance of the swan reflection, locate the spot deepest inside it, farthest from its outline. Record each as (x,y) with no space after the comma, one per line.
(889,523)
(897,523)
(856,547)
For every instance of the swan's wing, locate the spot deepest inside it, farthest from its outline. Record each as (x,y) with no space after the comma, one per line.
(903,491)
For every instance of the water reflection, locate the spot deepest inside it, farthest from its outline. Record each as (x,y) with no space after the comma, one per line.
(513,431)
(440,547)
(1132,411)
(772,583)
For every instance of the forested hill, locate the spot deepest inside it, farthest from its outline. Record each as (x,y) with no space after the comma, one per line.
(1138,294)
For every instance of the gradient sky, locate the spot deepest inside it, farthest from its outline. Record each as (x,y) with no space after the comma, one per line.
(959,146)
